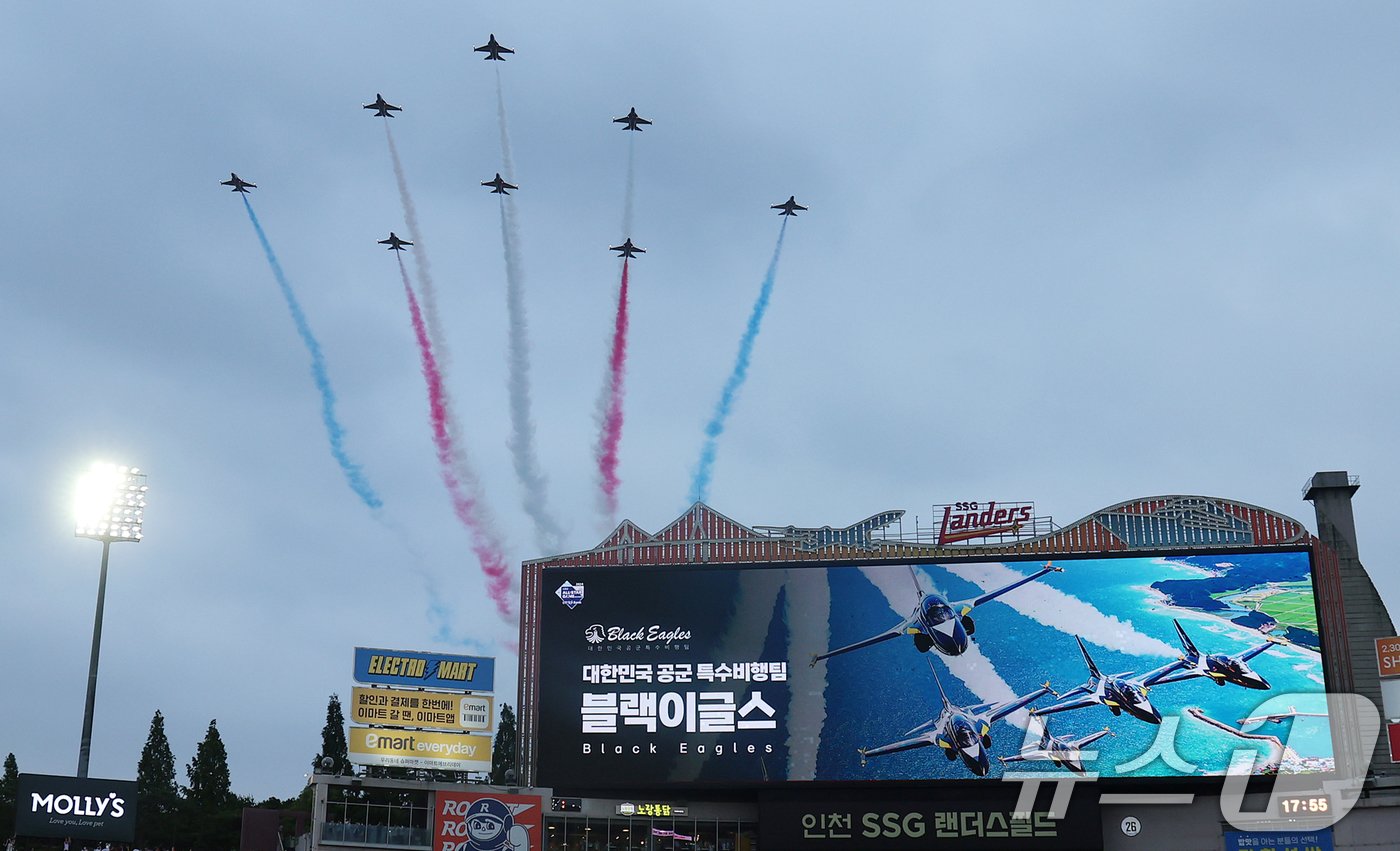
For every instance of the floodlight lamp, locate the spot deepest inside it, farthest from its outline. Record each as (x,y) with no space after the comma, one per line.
(110,503)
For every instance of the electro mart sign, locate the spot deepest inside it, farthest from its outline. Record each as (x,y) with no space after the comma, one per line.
(424,670)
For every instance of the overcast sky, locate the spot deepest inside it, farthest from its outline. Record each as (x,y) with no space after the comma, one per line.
(1073,254)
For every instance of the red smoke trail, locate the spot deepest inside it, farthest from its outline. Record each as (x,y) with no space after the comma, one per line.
(493,563)
(611,434)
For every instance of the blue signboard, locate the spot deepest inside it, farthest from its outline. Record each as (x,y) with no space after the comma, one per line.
(1279,840)
(424,670)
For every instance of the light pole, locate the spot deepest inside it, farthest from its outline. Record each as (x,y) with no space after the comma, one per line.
(110,505)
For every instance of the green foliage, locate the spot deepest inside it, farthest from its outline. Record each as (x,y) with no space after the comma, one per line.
(333,742)
(157,792)
(503,752)
(212,814)
(209,788)
(9,789)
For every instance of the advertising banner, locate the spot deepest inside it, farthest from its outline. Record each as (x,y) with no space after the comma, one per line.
(918,671)
(1388,656)
(424,670)
(420,749)
(392,707)
(1273,840)
(473,821)
(978,822)
(76,807)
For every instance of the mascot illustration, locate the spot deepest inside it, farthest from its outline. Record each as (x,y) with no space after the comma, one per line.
(491,827)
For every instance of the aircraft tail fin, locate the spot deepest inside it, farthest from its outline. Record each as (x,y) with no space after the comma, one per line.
(1187,645)
(1088,660)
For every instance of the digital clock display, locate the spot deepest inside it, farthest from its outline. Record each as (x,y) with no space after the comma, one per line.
(1303,806)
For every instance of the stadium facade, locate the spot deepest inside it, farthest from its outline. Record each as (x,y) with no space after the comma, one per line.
(996,681)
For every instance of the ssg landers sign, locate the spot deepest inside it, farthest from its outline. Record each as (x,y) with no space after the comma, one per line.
(77,807)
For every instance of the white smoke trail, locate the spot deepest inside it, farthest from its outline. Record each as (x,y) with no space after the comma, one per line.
(1054,608)
(427,293)
(461,463)
(549,536)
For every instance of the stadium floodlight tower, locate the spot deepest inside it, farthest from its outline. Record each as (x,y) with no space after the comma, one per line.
(110,506)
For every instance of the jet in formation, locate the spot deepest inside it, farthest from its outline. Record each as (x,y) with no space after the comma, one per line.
(1220,667)
(493,49)
(1065,753)
(1119,692)
(394,243)
(238,183)
(788,207)
(631,119)
(499,186)
(382,107)
(938,623)
(627,249)
(962,732)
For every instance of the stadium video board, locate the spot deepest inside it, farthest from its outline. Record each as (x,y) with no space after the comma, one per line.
(1136,666)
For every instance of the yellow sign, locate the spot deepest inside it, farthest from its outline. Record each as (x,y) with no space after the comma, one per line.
(394,707)
(420,749)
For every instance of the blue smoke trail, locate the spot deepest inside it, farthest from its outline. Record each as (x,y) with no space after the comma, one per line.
(700,483)
(353,474)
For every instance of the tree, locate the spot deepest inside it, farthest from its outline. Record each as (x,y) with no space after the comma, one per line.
(333,742)
(211,813)
(9,790)
(208,772)
(157,792)
(503,752)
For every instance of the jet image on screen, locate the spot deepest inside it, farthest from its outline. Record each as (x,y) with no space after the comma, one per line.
(1143,665)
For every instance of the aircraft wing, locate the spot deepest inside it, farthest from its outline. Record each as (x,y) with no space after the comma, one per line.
(1079,744)
(992,595)
(998,711)
(1084,700)
(1178,676)
(901,745)
(1157,675)
(995,711)
(894,632)
(1254,651)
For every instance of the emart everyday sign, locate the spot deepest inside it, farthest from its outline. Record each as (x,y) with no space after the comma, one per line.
(420,749)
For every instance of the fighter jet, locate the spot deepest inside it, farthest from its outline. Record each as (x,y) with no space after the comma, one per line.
(788,207)
(382,107)
(493,49)
(627,249)
(1218,666)
(631,119)
(961,731)
(394,243)
(1065,753)
(1280,717)
(1119,692)
(499,186)
(936,622)
(238,183)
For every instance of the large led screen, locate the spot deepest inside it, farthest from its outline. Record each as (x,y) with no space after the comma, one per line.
(1144,666)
